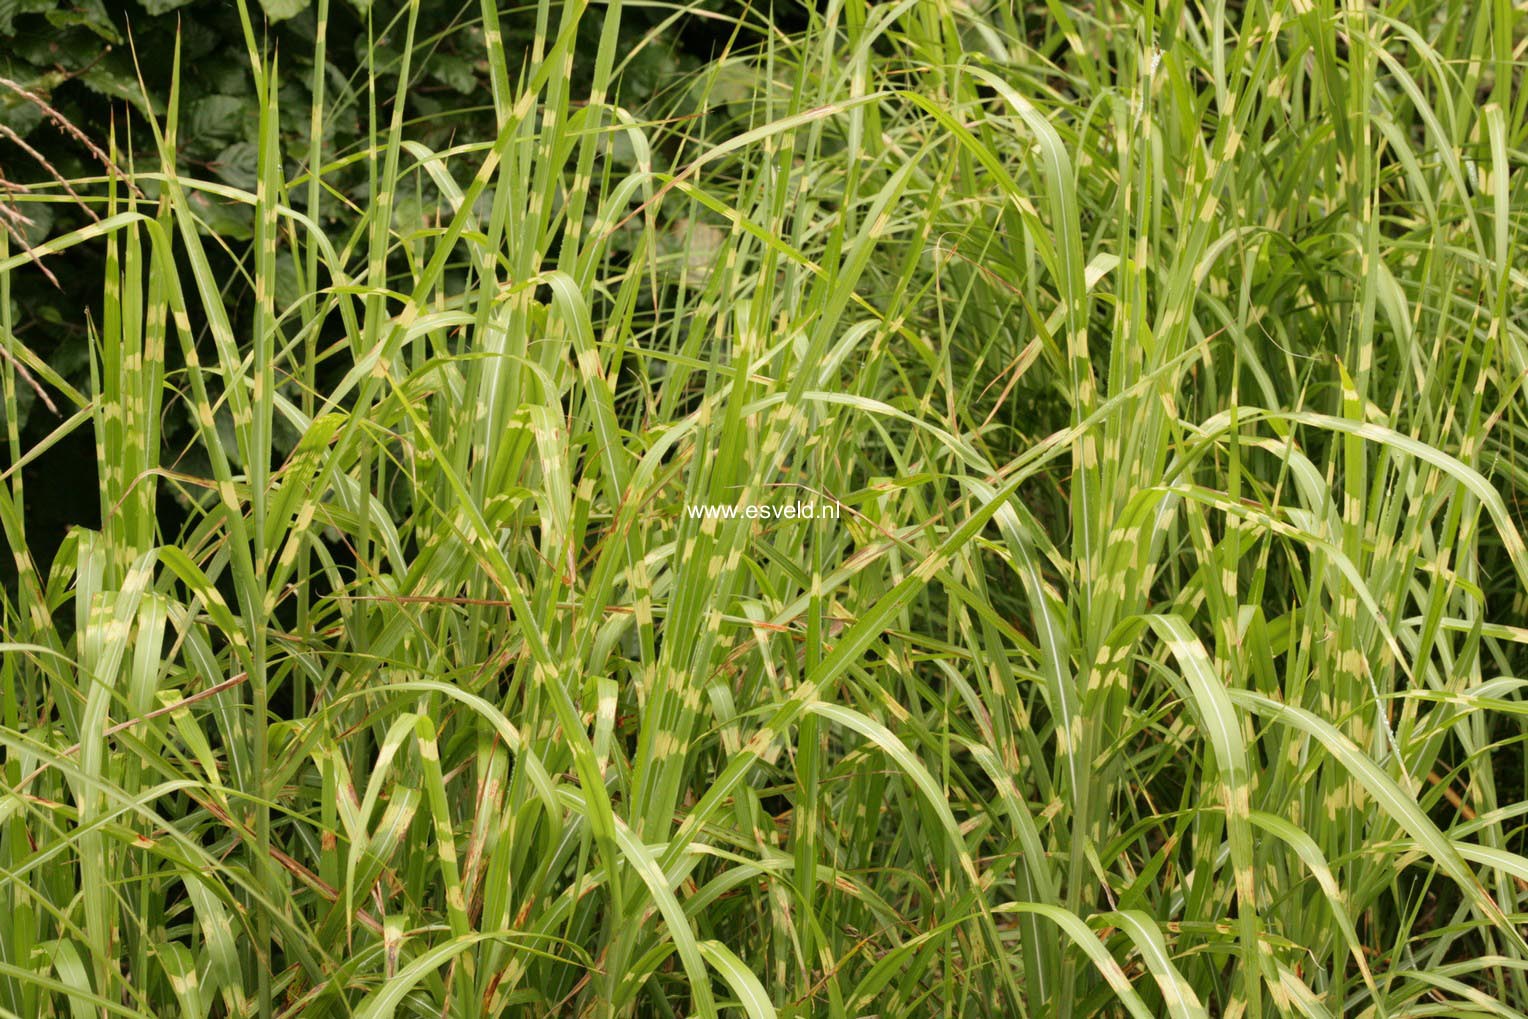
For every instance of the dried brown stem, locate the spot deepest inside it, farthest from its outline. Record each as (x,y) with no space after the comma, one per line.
(26,376)
(63,124)
(42,161)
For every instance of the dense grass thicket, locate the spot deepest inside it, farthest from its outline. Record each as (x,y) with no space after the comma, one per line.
(1165,363)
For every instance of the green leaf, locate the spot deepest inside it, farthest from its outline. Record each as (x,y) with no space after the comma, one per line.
(162,6)
(280,10)
(217,119)
(238,164)
(11,9)
(89,14)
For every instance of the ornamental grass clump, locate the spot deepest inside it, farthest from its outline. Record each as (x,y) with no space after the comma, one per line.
(1163,654)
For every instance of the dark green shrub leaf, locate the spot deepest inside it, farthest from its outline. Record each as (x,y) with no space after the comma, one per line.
(214,121)
(280,10)
(238,164)
(162,6)
(9,9)
(89,14)
(114,77)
